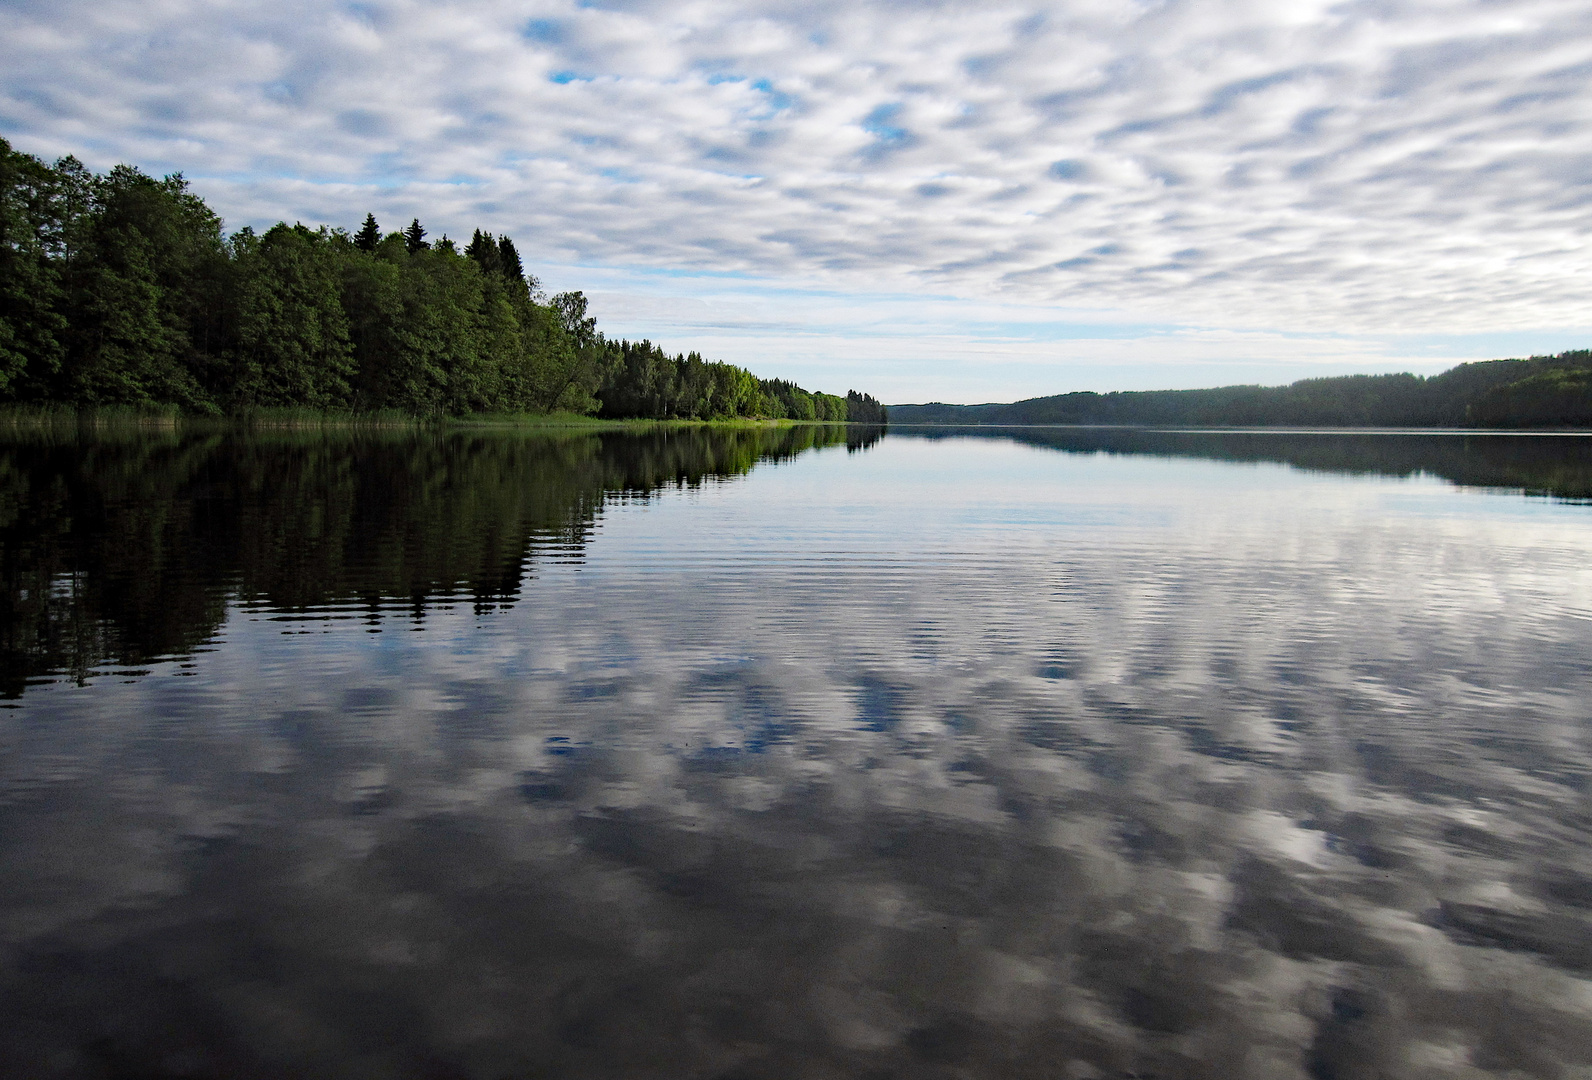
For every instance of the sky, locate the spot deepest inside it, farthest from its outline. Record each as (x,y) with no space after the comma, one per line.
(959,202)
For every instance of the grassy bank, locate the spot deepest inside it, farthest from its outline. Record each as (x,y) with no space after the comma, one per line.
(578,420)
(64,418)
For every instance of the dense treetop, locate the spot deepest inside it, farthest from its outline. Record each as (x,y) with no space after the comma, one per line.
(123,289)
(1541,391)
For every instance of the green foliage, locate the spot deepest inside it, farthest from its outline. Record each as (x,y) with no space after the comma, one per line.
(121,291)
(32,329)
(786,399)
(143,268)
(638,379)
(1561,397)
(289,324)
(863,408)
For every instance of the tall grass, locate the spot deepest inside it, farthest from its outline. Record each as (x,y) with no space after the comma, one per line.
(64,420)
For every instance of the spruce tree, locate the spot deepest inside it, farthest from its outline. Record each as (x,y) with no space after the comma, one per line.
(484,250)
(509,259)
(369,234)
(415,237)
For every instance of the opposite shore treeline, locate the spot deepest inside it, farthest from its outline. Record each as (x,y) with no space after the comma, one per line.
(1537,392)
(122,289)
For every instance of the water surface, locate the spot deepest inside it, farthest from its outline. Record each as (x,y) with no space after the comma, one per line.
(796,754)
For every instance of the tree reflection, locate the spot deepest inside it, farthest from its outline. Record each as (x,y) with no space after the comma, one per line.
(1555,465)
(121,548)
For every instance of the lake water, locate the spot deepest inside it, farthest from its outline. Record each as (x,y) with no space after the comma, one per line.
(801,754)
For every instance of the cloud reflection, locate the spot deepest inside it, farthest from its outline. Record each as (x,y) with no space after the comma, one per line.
(1094,766)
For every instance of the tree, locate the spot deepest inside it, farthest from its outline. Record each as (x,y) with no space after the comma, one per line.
(484,250)
(863,408)
(571,308)
(31,327)
(1558,397)
(144,273)
(372,296)
(369,234)
(558,375)
(293,343)
(443,314)
(509,258)
(415,238)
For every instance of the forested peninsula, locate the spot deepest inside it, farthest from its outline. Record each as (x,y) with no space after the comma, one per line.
(1536,392)
(120,289)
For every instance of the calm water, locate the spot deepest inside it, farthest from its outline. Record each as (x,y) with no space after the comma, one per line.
(1046,754)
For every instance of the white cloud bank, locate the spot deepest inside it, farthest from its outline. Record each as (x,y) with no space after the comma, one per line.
(1381,182)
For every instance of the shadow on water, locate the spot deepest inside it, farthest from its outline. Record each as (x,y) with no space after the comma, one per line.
(122,548)
(1551,465)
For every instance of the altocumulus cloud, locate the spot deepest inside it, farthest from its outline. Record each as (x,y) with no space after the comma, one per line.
(1356,168)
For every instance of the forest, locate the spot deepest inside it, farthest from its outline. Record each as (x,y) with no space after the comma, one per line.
(121,289)
(1536,392)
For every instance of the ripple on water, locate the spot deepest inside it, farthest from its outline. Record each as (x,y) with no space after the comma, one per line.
(943,759)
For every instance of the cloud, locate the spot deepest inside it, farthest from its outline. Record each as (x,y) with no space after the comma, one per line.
(913,347)
(1336,168)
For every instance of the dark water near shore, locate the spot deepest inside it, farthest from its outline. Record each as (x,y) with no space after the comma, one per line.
(740,754)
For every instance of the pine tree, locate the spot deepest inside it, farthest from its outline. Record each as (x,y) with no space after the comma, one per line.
(369,234)
(415,237)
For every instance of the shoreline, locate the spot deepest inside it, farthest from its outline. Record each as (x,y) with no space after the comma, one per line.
(1277,429)
(22,417)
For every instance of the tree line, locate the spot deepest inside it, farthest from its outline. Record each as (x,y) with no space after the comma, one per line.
(1535,392)
(123,289)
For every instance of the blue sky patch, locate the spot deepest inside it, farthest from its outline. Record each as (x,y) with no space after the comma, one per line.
(880,123)
(545,31)
(776,100)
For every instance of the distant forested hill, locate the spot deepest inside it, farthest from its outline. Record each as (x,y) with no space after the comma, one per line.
(121,289)
(1538,392)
